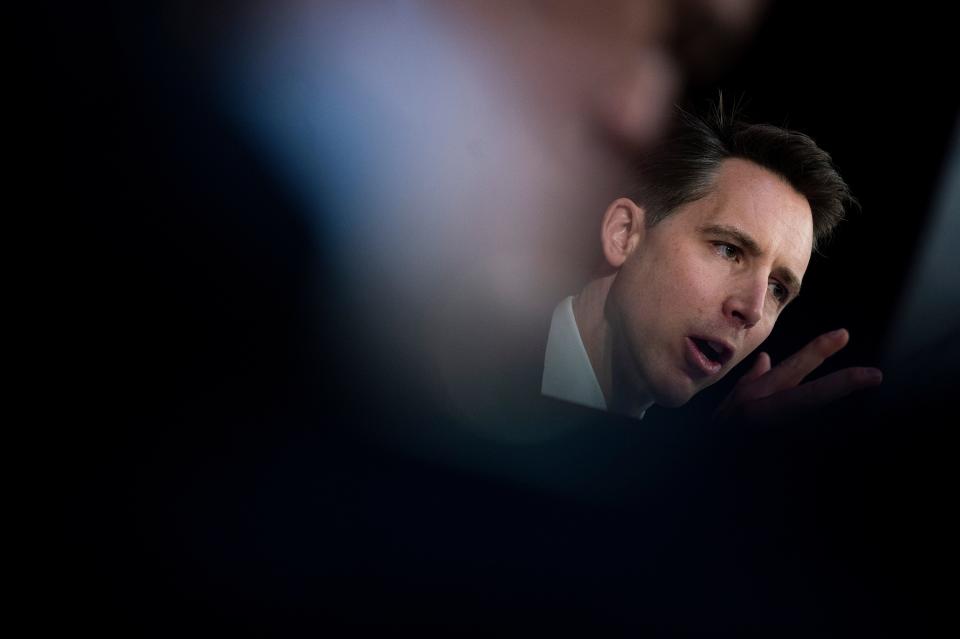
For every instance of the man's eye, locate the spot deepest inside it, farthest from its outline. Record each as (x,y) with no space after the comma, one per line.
(779,292)
(728,251)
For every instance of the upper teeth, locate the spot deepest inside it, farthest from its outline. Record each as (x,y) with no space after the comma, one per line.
(716,346)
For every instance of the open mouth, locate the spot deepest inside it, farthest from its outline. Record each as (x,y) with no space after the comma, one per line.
(713,354)
(708,356)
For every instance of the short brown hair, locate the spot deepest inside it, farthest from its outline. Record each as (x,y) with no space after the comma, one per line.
(683,166)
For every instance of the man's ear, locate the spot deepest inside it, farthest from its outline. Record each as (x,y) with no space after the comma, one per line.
(621,231)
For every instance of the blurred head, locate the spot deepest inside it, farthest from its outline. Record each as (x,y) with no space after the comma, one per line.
(711,251)
(447,152)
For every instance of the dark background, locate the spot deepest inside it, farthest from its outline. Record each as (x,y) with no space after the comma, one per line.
(202,480)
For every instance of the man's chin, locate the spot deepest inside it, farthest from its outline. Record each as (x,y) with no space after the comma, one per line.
(672,401)
(675,396)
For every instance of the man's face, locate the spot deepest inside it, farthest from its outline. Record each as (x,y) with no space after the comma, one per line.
(715,270)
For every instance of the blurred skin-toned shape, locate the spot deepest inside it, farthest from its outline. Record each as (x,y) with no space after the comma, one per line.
(456,154)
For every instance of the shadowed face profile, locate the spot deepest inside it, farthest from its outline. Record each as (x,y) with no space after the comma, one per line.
(696,293)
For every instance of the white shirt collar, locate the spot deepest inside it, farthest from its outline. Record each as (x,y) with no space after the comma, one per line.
(567,372)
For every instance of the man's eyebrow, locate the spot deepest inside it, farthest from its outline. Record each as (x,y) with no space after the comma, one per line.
(735,235)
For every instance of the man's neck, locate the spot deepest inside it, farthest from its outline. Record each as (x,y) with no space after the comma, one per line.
(588,307)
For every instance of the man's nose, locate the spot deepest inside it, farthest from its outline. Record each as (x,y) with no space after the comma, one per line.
(745,305)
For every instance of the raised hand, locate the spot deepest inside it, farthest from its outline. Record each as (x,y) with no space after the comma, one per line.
(767,395)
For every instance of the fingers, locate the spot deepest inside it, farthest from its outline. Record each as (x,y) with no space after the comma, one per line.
(820,392)
(791,371)
(766,394)
(831,387)
(760,367)
(741,391)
